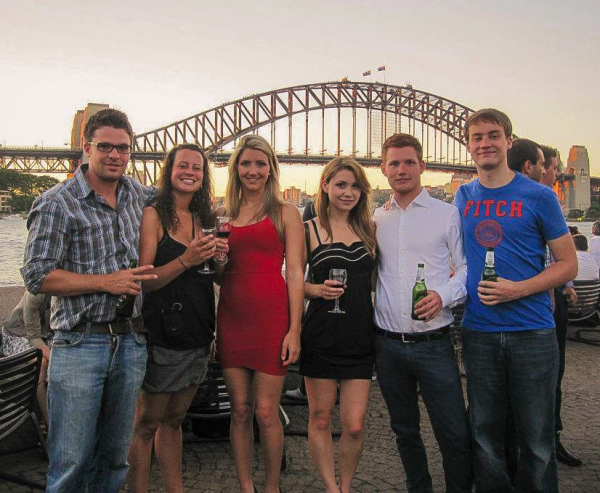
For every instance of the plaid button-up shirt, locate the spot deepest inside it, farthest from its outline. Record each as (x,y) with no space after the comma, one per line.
(73,228)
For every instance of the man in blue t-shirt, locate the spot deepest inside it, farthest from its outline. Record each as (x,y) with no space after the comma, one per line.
(509,342)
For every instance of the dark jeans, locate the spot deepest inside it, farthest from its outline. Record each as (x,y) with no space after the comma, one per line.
(431,365)
(522,367)
(561,318)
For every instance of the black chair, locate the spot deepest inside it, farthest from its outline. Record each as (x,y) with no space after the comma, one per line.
(586,309)
(19,376)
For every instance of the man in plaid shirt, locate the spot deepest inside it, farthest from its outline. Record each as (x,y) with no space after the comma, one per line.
(83,234)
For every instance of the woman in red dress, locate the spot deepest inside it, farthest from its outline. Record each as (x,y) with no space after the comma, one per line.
(259,313)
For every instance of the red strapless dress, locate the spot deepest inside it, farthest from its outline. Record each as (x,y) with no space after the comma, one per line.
(252,317)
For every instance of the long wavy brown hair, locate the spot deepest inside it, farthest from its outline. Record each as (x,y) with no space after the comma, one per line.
(359,219)
(272,202)
(202,200)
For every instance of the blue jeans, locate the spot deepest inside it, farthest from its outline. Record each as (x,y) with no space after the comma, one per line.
(519,367)
(93,384)
(431,365)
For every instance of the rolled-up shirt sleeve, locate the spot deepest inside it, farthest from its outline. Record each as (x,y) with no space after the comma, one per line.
(455,291)
(47,241)
(31,318)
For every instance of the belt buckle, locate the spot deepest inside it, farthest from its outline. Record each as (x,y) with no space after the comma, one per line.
(406,341)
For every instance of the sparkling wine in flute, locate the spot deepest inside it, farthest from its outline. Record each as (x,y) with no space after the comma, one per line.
(340,276)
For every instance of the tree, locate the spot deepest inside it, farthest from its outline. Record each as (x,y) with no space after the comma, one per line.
(24,187)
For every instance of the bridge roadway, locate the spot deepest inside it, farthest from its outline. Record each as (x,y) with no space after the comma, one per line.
(38,154)
(62,160)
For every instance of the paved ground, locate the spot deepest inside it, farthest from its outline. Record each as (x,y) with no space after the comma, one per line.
(208,465)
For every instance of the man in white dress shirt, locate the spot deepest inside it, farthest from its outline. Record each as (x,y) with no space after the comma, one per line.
(417,228)
(587,266)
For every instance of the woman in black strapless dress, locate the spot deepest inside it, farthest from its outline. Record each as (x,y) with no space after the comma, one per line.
(338,348)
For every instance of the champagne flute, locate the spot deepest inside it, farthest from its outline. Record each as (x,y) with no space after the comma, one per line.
(223,231)
(338,275)
(206,269)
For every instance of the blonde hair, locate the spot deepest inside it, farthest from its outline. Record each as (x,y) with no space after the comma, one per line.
(272,202)
(359,219)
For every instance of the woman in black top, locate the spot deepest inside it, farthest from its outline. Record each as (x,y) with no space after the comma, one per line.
(178,311)
(337,348)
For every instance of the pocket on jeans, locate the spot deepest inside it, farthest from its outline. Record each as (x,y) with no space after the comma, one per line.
(66,339)
(140,338)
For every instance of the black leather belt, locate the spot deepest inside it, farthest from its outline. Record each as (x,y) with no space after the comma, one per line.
(432,335)
(120,327)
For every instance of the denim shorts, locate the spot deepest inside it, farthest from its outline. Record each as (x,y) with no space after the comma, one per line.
(170,370)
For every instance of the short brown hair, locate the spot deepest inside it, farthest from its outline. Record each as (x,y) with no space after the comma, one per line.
(107,118)
(401,140)
(596,228)
(489,115)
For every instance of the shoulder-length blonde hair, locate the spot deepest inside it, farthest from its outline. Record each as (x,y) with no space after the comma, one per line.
(359,219)
(272,202)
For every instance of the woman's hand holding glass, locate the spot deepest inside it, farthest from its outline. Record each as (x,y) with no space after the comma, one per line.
(201,249)
(331,290)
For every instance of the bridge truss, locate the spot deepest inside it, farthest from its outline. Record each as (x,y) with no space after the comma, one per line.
(306,124)
(318,120)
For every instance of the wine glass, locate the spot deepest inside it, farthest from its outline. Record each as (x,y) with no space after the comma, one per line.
(206,269)
(223,231)
(338,275)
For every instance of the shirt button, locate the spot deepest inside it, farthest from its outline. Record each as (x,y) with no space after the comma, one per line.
(401,272)
(402,290)
(401,251)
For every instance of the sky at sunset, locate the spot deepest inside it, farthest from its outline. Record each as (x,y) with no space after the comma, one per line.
(163,61)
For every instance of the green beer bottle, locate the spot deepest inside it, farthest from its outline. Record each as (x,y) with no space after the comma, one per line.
(419,290)
(489,271)
(126,302)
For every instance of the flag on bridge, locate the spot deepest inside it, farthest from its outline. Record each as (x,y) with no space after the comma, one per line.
(367,73)
(381,69)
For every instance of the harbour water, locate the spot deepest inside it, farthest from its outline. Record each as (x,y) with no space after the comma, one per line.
(13,235)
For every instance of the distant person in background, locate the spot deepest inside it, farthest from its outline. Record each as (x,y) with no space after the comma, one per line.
(563,295)
(574,230)
(526,157)
(338,348)
(594,242)
(28,326)
(178,310)
(588,268)
(550,166)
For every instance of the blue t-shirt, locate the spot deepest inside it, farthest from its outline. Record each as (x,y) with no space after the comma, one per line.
(517,220)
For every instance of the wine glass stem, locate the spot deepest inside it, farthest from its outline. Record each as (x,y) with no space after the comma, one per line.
(337,304)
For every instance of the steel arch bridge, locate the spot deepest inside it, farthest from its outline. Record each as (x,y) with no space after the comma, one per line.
(343,117)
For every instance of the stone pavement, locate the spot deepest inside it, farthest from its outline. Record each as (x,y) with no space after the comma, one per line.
(208,466)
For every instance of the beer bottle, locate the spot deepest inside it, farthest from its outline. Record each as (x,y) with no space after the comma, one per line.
(489,271)
(126,302)
(419,290)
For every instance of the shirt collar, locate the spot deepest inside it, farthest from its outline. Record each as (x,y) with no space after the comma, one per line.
(82,186)
(422,200)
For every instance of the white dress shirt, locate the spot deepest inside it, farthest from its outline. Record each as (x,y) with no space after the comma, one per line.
(594,243)
(428,231)
(588,268)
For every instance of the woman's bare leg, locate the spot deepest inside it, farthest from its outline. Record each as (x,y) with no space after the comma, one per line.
(321,394)
(239,386)
(354,397)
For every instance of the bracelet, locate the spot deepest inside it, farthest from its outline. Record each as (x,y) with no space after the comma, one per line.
(184,266)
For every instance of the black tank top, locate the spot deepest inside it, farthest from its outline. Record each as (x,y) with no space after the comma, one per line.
(194,291)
